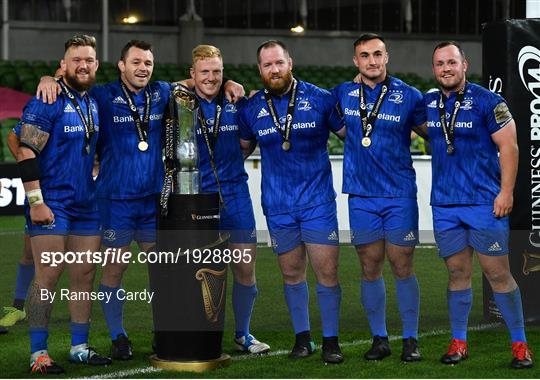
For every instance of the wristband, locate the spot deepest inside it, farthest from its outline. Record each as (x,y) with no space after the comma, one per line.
(29,169)
(34,197)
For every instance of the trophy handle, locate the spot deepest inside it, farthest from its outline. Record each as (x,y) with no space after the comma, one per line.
(528,265)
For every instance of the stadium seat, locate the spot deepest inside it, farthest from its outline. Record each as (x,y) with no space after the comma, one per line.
(29,85)
(21,63)
(101,77)
(9,79)
(39,63)
(6,126)
(54,64)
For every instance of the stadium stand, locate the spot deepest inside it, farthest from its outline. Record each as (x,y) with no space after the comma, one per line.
(24,76)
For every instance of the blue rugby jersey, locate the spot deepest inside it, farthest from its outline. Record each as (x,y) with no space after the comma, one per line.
(66,172)
(228,156)
(17,129)
(126,172)
(472,174)
(384,169)
(302,177)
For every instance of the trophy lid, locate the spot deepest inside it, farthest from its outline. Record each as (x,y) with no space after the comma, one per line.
(185,97)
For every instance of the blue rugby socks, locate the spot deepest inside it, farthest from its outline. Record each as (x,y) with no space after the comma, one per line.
(113,311)
(25,275)
(329,302)
(373,298)
(79,333)
(38,339)
(510,306)
(297,298)
(459,306)
(243,298)
(408,295)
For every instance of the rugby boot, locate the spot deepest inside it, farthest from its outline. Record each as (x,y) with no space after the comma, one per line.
(303,346)
(84,354)
(41,362)
(522,356)
(11,316)
(331,353)
(249,344)
(410,352)
(379,348)
(457,351)
(121,348)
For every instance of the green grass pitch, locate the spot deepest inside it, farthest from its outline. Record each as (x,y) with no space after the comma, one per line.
(489,344)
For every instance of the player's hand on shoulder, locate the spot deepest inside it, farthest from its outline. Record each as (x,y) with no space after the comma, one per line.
(233,91)
(358,78)
(502,206)
(47,89)
(41,214)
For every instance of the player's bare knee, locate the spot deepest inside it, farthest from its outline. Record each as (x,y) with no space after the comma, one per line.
(246,278)
(371,274)
(328,280)
(83,277)
(402,272)
(459,275)
(499,277)
(371,271)
(293,275)
(88,273)
(114,270)
(111,279)
(48,281)
(327,275)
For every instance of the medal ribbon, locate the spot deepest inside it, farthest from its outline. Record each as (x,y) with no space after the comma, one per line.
(142,127)
(170,168)
(368,122)
(448,129)
(211,143)
(285,132)
(89,126)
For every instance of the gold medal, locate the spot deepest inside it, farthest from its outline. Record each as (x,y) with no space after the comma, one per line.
(366,142)
(143,146)
(286,146)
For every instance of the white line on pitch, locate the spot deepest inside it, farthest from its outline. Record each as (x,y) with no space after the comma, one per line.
(390,338)
(139,371)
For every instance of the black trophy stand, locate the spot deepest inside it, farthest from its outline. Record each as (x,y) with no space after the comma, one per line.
(189,295)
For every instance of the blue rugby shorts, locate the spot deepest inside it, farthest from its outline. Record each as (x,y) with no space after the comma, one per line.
(315,225)
(459,226)
(125,220)
(392,219)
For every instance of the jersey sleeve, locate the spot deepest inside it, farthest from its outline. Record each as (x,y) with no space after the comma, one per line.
(241,104)
(164,88)
(497,114)
(17,129)
(419,110)
(334,118)
(41,115)
(246,133)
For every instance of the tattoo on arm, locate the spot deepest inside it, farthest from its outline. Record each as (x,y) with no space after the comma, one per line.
(39,312)
(33,137)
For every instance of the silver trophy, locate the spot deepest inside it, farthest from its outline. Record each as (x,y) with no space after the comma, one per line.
(181,151)
(187,178)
